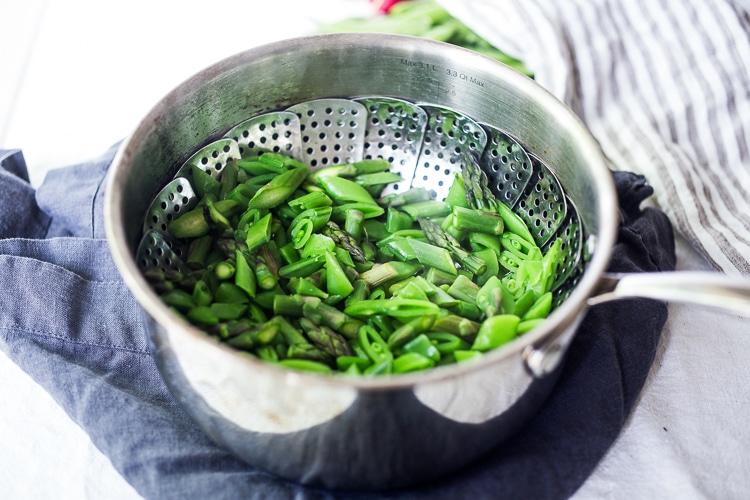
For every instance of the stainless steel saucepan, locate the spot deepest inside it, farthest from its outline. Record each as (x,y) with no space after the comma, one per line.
(376,433)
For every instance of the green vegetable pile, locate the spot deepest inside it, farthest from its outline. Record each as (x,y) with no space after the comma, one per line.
(426,19)
(315,270)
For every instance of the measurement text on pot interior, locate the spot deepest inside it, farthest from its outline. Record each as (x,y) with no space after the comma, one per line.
(447,71)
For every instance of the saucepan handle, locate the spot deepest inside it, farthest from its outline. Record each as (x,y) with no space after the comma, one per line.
(730,294)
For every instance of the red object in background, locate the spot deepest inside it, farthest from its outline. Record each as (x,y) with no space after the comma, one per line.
(384,5)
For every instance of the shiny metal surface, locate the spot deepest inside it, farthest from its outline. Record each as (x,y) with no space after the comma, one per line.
(714,290)
(333,131)
(448,137)
(267,132)
(395,132)
(345,432)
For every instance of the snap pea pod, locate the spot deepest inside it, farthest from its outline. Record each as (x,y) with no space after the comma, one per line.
(427,209)
(303,267)
(447,343)
(301,232)
(457,193)
(522,303)
(513,222)
(306,365)
(408,331)
(520,247)
(279,188)
(318,244)
(397,220)
(463,356)
(509,261)
(244,277)
(179,298)
(198,252)
(413,195)
(225,311)
(255,167)
(203,182)
(496,331)
(318,216)
(489,257)
(464,289)
(540,309)
(396,308)
(337,283)
(229,180)
(411,362)
(315,199)
(352,364)
(482,241)
(433,256)
(202,294)
(422,344)
(373,345)
(401,249)
(377,178)
(345,191)
(353,223)
(408,289)
(489,297)
(228,293)
(305,286)
(258,234)
(369,210)
(346,170)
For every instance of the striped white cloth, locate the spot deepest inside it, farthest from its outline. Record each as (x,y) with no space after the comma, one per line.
(663,85)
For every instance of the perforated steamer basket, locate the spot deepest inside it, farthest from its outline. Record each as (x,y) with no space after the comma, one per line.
(372,433)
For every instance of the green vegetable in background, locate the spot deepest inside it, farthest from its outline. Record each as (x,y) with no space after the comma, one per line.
(427,19)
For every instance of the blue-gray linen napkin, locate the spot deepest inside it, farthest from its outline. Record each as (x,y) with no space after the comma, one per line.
(67,319)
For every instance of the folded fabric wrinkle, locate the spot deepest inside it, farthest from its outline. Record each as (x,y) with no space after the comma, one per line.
(68,320)
(662,86)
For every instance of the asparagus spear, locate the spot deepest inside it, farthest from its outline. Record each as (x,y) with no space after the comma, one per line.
(478,194)
(279,188)
(326,339)
(344,240)
(437,236)
(309,352)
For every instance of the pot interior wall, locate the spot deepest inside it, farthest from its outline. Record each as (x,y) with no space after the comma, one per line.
(275,77)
